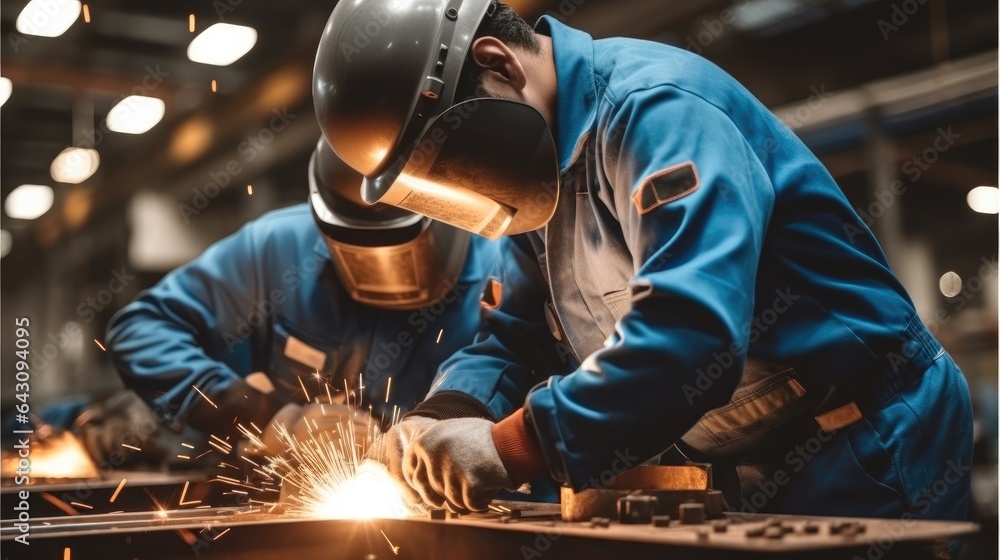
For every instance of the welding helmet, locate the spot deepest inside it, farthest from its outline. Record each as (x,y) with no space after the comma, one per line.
(384,84)
(386,257)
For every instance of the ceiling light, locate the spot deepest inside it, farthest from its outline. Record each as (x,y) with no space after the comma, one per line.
(985,200)
(74,165)
(46,18)
(135,114)
(222,44)
(28,202)
(5,88)
(6,243)
(950,284)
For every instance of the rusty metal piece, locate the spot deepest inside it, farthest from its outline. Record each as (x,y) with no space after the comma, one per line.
(671,485)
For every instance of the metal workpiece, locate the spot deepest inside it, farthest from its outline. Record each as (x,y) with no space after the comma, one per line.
(692,513)
(251,533)
(636,508)
(671,486)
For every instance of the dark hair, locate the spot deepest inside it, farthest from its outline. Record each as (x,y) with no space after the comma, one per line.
(506,25)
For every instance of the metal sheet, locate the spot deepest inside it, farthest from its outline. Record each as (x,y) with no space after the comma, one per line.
(249,534)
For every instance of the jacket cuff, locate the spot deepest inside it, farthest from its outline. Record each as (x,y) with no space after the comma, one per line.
(238,403)
(518,448)
(451,404)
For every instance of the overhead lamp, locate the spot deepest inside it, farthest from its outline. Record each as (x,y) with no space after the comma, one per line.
(74,165)
(28,202)
(6,87)
(135,114)
(222,44)
(47,18)
(950,284)
(985,200)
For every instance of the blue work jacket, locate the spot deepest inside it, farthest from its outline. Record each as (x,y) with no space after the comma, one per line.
(268,299)
(697,247)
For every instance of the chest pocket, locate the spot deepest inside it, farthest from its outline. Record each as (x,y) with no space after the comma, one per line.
(296,354)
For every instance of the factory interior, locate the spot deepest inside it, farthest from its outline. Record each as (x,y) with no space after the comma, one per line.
(132,139)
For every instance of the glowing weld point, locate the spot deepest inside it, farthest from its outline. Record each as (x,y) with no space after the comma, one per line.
(188,445)
(395,549)
(78,504)
(101,346)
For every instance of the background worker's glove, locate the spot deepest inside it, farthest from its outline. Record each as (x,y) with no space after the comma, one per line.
(344,425)
(389,450)
(455,463)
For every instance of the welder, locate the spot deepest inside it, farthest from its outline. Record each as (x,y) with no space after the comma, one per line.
(722,297)
(331,300)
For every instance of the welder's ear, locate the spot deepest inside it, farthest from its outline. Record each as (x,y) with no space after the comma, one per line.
(490,53)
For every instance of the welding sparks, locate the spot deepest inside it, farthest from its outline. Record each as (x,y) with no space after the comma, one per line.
(388,387)
(99,345)
(117,491)
(67,554)
(184,493)
(215,86)
(132,447)
(303,385)
(250,190)
(183,457)
(395,549)
(327,477)
(220,534)
(86,13)
(191,23)
(441,332)
(205,396)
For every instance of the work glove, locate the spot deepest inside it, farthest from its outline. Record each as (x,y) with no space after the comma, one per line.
(343,425)
(390,448)
(454,463)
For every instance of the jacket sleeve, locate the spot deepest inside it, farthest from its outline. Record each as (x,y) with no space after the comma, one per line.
(696,252)
(191,331)
(514,350)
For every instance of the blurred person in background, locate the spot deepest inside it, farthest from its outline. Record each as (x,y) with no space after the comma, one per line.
(334,297)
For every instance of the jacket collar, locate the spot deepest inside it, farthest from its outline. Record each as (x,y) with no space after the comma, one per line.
(576,109)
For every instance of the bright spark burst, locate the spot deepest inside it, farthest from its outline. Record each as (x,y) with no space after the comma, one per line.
(328,477)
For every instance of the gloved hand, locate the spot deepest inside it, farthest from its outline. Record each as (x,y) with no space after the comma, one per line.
(455,463)
(389,450)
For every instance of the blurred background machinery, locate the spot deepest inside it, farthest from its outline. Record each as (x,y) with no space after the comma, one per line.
(135,134)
